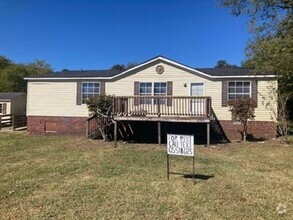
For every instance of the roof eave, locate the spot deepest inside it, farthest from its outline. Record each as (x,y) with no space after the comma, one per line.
(245,77)
(160,58)
(109,78)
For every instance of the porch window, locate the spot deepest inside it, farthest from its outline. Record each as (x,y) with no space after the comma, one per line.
(238,90)
(89,89)
(145,89)
(152,89)
(160,89)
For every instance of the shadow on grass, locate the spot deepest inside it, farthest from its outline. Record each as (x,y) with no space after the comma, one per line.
(196,176)
(251,138)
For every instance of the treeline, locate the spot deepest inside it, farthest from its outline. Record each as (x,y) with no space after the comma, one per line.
(12,74)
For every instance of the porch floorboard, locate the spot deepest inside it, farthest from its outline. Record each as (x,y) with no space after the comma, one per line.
(186,119)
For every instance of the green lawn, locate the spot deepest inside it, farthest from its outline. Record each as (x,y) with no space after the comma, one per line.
(75,178)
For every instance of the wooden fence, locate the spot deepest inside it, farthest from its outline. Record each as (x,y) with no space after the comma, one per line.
(12,120)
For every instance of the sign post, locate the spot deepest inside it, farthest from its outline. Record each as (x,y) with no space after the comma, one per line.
(180,145)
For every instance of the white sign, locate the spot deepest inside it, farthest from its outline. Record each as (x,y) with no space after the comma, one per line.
(182,145)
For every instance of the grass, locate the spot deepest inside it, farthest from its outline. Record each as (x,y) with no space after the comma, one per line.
(74,178)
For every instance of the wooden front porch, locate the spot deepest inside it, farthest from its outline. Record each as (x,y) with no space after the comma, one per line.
(189,109)
(172,107)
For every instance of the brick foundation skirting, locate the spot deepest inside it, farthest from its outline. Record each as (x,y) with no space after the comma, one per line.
(77,126)
(258,129)
(56,125)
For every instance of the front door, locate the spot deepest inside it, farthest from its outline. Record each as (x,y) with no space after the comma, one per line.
(197,105)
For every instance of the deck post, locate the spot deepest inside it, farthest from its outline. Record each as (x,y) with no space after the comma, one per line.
(87,129)
(13,122)
(208,134)
(159,133)
(115,133)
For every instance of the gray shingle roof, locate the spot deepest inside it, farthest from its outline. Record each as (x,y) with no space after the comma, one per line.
(210,72)
(228,71)
(9,95)
(80,73)
(111,73)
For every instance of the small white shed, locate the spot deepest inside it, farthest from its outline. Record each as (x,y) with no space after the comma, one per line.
(12,103)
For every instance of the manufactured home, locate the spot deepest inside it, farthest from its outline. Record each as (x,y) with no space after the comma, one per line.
(159,90)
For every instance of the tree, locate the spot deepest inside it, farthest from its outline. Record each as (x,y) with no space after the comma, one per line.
(242,110)
(39,67)
(101,106)
(12,74)
(224,64)
(4,62)
(118,67)
(271,49)
(123,67)
(266,16)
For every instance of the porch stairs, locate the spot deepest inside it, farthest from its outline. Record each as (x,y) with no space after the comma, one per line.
(219,134)
(101,126)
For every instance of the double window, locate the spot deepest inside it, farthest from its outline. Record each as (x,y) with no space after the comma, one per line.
(239,89)
(89,89)
(152,89)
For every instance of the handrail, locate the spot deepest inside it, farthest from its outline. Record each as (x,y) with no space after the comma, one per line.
(90,118)
(96,123)
(194,106)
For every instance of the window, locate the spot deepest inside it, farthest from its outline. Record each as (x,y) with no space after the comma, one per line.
(149,89)
(144,90)
(89,89)
(160,89)
(238,90)
(1,108)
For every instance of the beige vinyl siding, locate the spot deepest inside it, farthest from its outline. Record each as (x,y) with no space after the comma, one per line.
(54,99)
(267,103)
(125,87)
(59,98)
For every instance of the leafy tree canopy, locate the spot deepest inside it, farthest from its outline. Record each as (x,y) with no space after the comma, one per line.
(123,67)
(12,74)
(4,62)
(271,49)
(266,16)
(224,64)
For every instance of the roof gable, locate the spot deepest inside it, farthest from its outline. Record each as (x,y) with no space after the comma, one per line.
(211,73)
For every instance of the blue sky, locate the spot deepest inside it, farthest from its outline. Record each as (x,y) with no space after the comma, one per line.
(88,34)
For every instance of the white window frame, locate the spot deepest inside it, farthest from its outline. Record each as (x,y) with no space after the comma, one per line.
(235,93)
(161,101)
(204,87)
(95,94)
(153,92)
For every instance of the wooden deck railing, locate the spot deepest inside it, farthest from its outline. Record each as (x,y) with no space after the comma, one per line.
(194,106)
